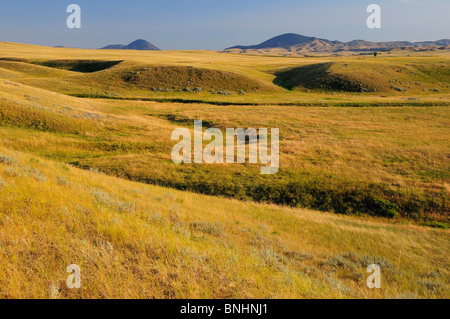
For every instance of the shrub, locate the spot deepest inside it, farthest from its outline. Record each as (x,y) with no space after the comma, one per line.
(214,229)
(124,207)
(101,197)
(382,208)
(338,261)
(399,89)
(62,181)
(12,171)
(37,175)
(271,258)
(298,256)
(156,218)
(94,116)
(8,160)
(434,287)
(107,199)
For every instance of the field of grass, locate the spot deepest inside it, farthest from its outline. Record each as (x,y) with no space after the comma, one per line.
(417,79)
(347,160)
(363,137)
(137,241)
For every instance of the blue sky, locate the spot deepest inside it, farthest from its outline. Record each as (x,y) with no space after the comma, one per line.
(216,24)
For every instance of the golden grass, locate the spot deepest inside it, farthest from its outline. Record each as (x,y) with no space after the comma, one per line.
(402,149)
(138,241)
(424,78)
(134,240)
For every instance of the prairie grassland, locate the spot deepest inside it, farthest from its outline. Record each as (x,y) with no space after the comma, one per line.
(400,80)
(347,160)
(139,241)
(383,166)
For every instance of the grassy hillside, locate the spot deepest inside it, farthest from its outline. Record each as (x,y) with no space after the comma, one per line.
(86,175)
(137,241)
(381,161)
(416,79)
(374,76)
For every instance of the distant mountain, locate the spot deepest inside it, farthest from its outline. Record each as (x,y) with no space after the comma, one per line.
(114,47)
(282,41)
(292,43)
(443,42)
(140,45)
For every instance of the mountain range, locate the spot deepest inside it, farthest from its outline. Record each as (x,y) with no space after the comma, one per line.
(141,45)
(299,44)
(296,44)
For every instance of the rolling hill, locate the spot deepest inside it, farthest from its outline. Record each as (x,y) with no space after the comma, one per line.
(86,175)
(138,241)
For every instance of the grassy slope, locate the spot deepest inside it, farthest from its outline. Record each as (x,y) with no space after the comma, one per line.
(331,158)
(137,241)
(408,75)
(430,72)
